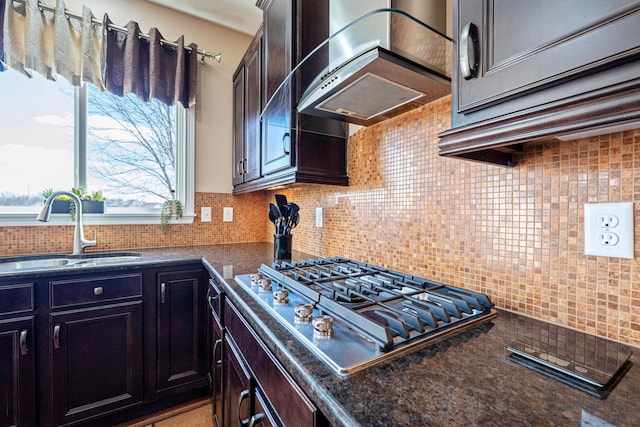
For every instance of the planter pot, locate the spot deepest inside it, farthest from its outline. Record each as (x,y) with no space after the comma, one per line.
(88,206)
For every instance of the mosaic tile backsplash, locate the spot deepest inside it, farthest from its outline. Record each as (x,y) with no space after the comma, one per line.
(249,215)
(515,234)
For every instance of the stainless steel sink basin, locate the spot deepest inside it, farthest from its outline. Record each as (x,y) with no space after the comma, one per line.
(33,264)
(44,262)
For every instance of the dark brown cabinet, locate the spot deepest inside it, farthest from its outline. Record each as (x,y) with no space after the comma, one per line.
(17,372)
(97,362)
(216,355)
(17,355)
(247,106)
(295,148)
(257,387)
(525,72)
(181,331)
(238,404)
(95,343)
(98,347)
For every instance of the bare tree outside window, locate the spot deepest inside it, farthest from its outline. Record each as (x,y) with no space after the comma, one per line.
(132,149)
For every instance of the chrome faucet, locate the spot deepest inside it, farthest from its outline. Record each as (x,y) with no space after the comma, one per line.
(79,242)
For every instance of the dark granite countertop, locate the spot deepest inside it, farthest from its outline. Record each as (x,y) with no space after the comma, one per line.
(463,380)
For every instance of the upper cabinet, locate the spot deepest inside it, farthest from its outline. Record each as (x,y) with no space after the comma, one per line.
(526,71)
(247,105)
(291,147)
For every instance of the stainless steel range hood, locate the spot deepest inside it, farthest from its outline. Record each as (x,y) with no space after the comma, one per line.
(393,58)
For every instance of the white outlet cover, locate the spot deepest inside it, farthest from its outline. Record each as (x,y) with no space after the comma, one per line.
(227,214)
(596,235)
(205,214)
(319,217)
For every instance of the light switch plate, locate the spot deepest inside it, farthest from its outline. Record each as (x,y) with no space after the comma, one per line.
(205,214)
(227,214)
(608,229)
(319,217)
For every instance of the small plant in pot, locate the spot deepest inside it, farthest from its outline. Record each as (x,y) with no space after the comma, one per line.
(170,208)
(91,202)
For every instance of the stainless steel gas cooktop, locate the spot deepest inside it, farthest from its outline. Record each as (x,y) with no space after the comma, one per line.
(353,315)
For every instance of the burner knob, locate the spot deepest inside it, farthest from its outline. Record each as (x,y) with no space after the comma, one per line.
(323,326)
(254,278)
(264,284)
(303,313)
(281,296)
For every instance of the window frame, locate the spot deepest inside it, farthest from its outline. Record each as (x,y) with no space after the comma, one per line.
(185,174)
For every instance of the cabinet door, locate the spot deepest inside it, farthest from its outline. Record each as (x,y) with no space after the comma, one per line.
(238,127)
(181,331)
(96,361)
(253,105)
(216,354)
(524,46)
(286,398)
(17,372)
(238,400)
(277,142)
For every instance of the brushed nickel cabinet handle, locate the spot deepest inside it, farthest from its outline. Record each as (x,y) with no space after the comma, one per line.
(23,343)
(469,51)
(256,419)
(162,292)
(243,396)
(56,336)
(284,147)
(239,168)
(98,290)
(215,348)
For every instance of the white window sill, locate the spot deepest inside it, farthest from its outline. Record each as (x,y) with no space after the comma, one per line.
(8,220)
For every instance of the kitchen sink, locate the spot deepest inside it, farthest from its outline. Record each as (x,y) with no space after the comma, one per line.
(44,262)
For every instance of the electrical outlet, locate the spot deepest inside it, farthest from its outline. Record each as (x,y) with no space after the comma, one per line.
(227,271)
(227,214)
(319,217)
(205,214)
(608,229)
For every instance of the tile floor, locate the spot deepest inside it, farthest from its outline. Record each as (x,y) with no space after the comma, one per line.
(193,414)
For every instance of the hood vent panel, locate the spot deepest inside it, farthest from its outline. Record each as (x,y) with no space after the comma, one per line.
(369,96)
(382,63)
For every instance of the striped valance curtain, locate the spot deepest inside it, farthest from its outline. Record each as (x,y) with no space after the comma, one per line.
(86,50)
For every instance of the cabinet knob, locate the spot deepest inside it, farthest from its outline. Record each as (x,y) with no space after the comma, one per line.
(469,51)
(23,343)
(98,290)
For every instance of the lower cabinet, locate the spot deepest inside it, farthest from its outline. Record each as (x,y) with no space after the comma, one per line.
(216,354)
(99,347)
(258,390)
(17,372)
(181,331)
(96,361)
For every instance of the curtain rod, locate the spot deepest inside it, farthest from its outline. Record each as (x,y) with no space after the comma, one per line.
(204,53)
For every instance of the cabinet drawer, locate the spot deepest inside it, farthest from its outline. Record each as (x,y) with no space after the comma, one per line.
(95,289)
(16,298)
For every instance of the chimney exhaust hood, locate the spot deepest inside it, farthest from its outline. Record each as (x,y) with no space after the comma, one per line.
(381,61)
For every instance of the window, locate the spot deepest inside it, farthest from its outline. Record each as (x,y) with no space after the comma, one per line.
(55,136)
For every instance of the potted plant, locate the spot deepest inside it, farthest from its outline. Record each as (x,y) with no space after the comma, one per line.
(170,208)
(91,202)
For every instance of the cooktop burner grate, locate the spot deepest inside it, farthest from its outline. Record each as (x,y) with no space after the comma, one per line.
(385,311)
